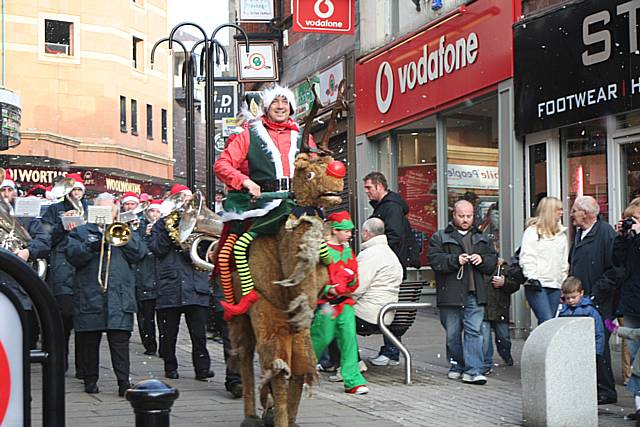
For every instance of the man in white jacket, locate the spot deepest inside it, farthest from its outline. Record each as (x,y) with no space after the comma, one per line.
(379,275)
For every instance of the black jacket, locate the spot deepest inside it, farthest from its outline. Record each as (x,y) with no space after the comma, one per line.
(94,310)
(591,262)
(445,246)
(146,269)
(626,256)
(178,282)
(499,299)
(60,272)
(392,210)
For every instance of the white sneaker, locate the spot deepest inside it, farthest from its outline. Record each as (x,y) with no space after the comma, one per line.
(362,366)
(454,375)
(382,360)
(474,379)
(337,377)
(360,389)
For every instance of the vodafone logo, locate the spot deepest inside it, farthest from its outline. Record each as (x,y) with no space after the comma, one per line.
(5,382)
(326,14)
(384,71)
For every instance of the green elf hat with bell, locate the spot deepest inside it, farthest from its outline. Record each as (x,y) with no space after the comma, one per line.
(341,221)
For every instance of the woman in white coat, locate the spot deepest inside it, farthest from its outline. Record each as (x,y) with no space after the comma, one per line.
(544,258)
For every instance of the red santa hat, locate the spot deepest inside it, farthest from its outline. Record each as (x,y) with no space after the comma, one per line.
(8,181)
(130,196)
(79,182)
(154,204)
(179,188)
(340,220)
(38,190)
(144,197)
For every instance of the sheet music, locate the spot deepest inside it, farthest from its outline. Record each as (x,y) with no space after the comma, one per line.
(27,207)
(100,215)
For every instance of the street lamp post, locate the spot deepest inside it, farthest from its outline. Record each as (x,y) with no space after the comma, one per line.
(210,57)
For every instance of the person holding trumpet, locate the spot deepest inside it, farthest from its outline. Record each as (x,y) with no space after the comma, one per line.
(104,292)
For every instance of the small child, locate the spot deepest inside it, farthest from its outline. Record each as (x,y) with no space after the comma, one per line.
(634,381)
(575,304)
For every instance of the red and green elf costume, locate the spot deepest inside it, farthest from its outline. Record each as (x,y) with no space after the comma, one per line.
(334,317)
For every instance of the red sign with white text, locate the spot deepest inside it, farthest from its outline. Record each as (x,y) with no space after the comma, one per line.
(323,16)
(469,51)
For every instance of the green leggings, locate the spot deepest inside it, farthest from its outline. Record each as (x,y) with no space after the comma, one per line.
(343,328)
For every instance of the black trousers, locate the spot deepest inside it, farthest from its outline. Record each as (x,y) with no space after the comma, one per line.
(65,305)
(232,376)
(169,321)
(89,345)
(147,324)
(606,382)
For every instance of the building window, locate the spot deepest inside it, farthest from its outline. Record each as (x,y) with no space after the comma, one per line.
(149,121)
(137,53)
(58,37)
(123,114)
(134,117)
(164,126)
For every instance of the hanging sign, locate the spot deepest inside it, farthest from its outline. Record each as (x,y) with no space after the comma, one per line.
(326,82)
(256,10)
(260,64)
(323,16)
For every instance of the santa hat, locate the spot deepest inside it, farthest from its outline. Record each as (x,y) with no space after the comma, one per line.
(179,188)
(130,196)
(154,204)
(144,197)
(8,181)
(37,190)
(340,221)
(79,182)
(269,95)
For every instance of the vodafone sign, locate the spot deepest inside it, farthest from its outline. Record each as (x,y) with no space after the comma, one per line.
(464,54)
(11,365)
(323,16)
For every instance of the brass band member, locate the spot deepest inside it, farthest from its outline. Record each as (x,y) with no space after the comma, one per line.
(181,289)
(60,274)
(104,293)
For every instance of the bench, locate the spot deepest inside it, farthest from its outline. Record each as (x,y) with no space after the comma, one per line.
(406,310)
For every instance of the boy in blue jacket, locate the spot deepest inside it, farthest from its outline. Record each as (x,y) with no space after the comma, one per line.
(575,304)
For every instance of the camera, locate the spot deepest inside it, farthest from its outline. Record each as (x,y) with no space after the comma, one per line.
(627,224)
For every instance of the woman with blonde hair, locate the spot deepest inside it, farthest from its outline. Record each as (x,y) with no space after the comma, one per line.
(544,258)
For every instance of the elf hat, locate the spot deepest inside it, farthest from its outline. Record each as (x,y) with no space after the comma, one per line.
(130,196)
(8,181)
(79,182)
(179,188)
(341,221)
(269,95)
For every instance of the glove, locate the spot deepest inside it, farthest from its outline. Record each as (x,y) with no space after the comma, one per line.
(94,243)
(611,327)
(534,285)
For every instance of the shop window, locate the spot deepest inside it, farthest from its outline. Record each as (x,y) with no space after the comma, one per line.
(134,117)
(137,53)
(164,125)
(537,175)
(123,114)
(58,37)
(149,121)
(417,179)
(472,162)
(586,148)
(631,172)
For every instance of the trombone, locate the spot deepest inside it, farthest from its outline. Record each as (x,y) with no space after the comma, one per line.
(116,234)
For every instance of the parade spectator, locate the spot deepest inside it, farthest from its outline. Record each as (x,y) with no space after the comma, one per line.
(632,334)
(576,304)
(626,247)
(462,257)
(218,205)
(544,253)
(392,210)
(591,262)
(181,289)
(497,318)
(103,296)
(380,276)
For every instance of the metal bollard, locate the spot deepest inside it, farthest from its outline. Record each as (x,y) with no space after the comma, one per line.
(151,401)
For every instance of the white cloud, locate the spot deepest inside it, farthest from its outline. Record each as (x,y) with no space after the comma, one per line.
(206,13)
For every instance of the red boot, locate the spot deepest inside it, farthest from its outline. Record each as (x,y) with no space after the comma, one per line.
(232,310)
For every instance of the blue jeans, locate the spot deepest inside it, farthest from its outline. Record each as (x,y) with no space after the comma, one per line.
(465,356)
(632,345)
(544,303)
(390,350)
(503,341)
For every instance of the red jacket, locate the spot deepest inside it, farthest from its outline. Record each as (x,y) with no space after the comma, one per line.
(343,277)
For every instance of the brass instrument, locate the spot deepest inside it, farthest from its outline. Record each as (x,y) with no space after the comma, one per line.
(116,234)
(199,223)
(62,187)
(14,237)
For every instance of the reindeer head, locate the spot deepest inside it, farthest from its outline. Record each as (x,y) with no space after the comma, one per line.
(318,180)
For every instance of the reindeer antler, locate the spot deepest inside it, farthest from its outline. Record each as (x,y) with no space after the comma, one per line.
(304,145)
(340,105)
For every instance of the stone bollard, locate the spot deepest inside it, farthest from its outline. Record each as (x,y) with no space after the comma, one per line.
(559,374)
(151,401)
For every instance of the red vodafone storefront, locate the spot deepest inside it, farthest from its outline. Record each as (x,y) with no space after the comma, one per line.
(434,113)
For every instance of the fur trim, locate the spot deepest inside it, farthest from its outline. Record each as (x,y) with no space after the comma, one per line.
(254,213)
(277,366)
(268,95)
(276,157)
(308,255)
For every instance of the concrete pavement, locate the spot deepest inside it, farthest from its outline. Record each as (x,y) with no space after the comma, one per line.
(432,399)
